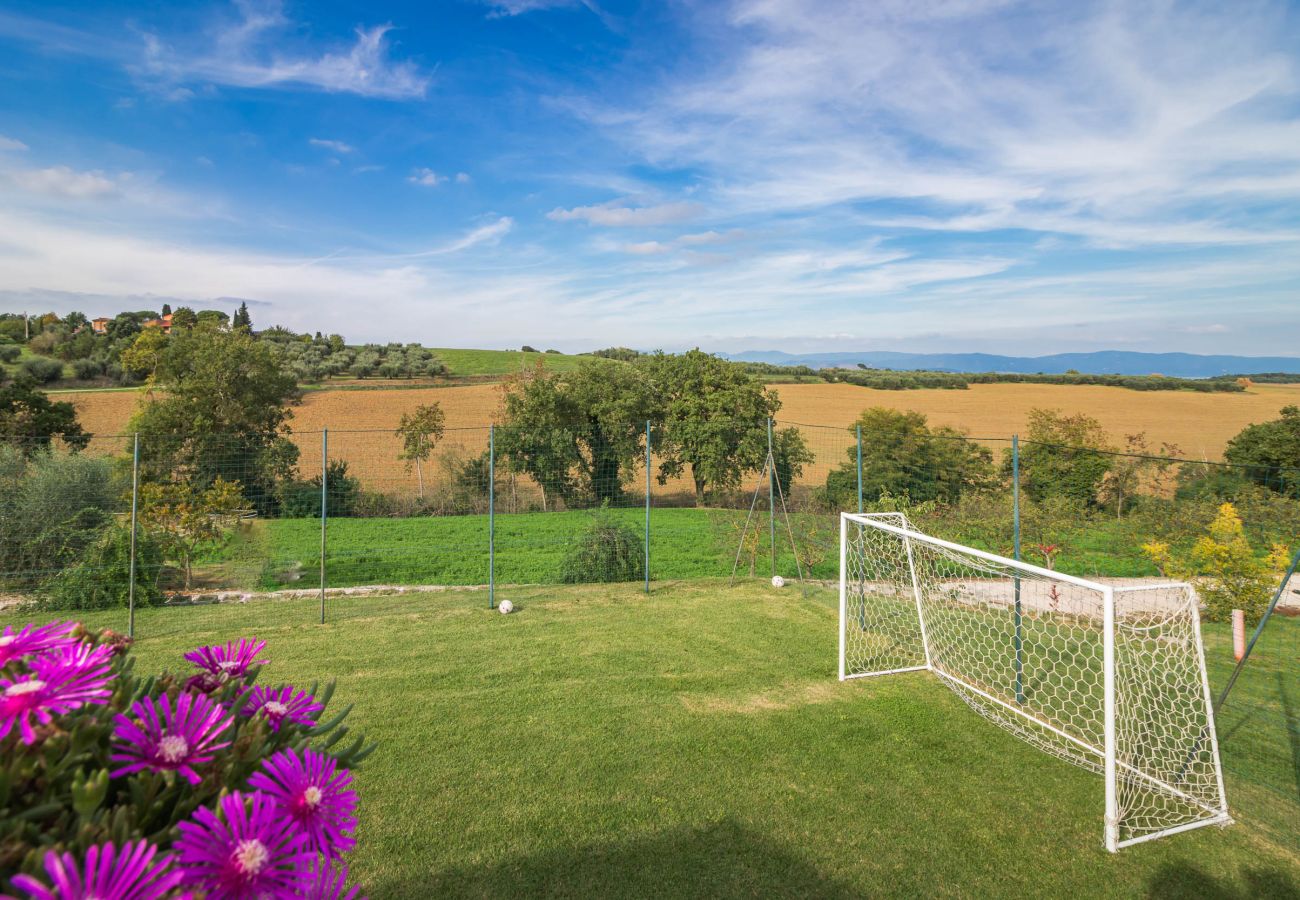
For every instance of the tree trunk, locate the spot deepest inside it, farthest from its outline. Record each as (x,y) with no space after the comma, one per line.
(699,488)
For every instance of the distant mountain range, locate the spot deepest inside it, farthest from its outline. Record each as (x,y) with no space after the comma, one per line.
(1102,362)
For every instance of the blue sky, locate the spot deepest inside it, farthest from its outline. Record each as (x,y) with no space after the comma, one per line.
(806,175)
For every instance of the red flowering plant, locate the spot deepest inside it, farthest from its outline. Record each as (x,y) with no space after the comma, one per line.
(197,785)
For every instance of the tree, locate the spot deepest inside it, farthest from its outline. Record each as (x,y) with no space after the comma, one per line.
(221,411)
(242,320)
(579,434)
(714,420)
(1062,456)
(1270,452)
(184,518)
(210,318)
(903,456)
(167,309)
(184,317)
(31,420)
(1127,472)
(420,432)
(145,354)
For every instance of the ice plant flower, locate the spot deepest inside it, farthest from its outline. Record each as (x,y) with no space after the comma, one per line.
(250,851)
(310,789)
(166,738)
(57,682)
(230,661)
(135,872)
(329,882)
(278,704)
(34,639)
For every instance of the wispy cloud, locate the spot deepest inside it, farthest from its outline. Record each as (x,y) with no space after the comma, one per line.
(8,143)
(618,215)
(426,178)
(333,146)
(65,182)
(258,47)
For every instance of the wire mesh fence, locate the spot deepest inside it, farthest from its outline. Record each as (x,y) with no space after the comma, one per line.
(334,525)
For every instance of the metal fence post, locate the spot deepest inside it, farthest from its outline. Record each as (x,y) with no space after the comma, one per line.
(492,517)
(1015,526)
(771,495)
(324,511)
(859,470)
(135,501)
(647,506)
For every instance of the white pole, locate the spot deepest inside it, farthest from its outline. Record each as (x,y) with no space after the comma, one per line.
(844,530)
(1193,604)
(920,612)
(1108,687)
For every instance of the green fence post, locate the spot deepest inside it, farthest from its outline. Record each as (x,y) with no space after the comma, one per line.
(135,500)
(324,511)
(492,517)
(771,496)
(647,506)
(859,470)
(1015,517)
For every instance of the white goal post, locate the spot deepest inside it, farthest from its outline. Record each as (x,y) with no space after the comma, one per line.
(1109,678)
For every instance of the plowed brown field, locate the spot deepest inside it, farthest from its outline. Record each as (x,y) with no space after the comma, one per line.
(361,421)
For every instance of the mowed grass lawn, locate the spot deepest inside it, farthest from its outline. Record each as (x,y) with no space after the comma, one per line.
(692,743)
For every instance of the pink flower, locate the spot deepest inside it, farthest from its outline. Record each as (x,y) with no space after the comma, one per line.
(310,789)
(34,639)
(229,661)
(250,851)
(133,873)
(278,704)
(167,738)
(329,882)
(59,681)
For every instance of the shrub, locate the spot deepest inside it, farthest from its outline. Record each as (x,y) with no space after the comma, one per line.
(86,369)
(1231,575)
(101,578)
(42,370)
(94,759)
(9,353)
(301,499)
(607,551)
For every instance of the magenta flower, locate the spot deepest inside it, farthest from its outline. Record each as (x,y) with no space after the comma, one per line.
(231,661)
(329,882)
(34,639)
(278,704)
(251,851)
(310,789)
(170,738)
(133,873)
(59,681)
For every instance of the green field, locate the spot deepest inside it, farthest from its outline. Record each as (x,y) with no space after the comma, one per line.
(695,743)
(464,362)
(685,543)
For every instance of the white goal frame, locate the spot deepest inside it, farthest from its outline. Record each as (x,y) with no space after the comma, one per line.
(1199,804)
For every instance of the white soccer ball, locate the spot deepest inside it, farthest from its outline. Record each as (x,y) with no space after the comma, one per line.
(778,581)
(506,607)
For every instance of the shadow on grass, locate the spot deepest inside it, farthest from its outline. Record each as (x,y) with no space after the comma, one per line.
(1175,881)
(723,861)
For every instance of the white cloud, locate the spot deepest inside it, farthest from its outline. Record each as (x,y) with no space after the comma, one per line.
(426,178)
(463,178)
(618,215)
(646,248)
(520,7)
(65,182)
(333,146)
(8,143)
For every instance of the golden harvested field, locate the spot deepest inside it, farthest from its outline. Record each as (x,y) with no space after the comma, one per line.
(361,421)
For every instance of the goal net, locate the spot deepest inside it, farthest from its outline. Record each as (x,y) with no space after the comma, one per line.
(1108,678)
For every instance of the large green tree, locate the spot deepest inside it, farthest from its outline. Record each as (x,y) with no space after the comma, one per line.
(581,434)
(1066,456)
(31,420)
(220,409)
(903,455)
(714,419)
(1270,452)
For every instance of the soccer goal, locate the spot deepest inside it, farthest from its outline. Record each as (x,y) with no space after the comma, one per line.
(1109,678)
